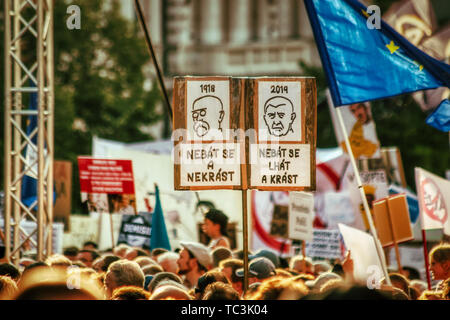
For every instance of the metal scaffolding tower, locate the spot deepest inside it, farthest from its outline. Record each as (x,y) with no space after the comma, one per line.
(28,70)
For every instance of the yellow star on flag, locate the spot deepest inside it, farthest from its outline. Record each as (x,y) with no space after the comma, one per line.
(392,47)
(365,13)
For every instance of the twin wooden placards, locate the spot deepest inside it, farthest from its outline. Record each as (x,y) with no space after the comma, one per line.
(244,133)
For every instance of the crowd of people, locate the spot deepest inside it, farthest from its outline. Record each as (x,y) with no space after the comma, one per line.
(195,271)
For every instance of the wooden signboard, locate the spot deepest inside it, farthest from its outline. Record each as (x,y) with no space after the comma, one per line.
(391,218)
(282,113)
(206,122)
(63,187)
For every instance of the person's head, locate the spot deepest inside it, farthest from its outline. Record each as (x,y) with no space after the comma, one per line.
(278,288)
(133,253)
(130,293)
(301,265)
(71,253)
(102,263)
(266,254)
(361,112)
(440,262)
(10,270)
(152,269)
(90,245)
(430,295)
(143,261)
(168,261)
(220,291)
(215,223)
(259,269)
(219,254)
(195,257)
(207,116)
(87,257)
(121,250)
(206,279)
(161,277)
(411,273)
(58,260)
(156,252)
(123,273)
(239,254)
(229,267)
(8,288)
(399,281)
(420,285)
(279,116)
(170,292)
(321,267)
(317,284)
(44,283)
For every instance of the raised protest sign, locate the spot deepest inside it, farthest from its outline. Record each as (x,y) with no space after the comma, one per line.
(279,224)
(211,125)
(301,215)
(281,112)
(361,129)
(107,185)
(433,193)
(136,230)
(325,244)
(207,153)
(63,188)
(366,262)
(391,218)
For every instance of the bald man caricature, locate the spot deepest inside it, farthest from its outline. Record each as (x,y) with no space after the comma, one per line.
(279,115)
(207,115)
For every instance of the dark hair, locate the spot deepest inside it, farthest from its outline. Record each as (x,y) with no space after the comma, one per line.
(158,251)
(94,254)
(413,273)
(70,251)
(107,260)
(220,291)
(208,278)
(220,218)
(91,243)
(141,253)
(7,269)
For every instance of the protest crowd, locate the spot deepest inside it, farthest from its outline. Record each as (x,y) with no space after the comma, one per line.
(195,271)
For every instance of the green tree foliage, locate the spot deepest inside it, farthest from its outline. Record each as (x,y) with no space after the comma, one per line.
(100,72)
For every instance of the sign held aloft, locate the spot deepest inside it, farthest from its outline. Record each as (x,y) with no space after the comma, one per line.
(245,133)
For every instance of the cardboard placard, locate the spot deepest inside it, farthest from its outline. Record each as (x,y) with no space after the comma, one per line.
(325,244)
(63,187)
(207,153)
(279,225)
(282,114)
(269,145)
(301,215)
(136,230)
(107,185)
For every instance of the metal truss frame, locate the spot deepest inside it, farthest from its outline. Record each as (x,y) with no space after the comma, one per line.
(23,35)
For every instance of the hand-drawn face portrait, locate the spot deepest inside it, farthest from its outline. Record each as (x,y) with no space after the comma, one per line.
(207,115)
(361,112)
(279,115)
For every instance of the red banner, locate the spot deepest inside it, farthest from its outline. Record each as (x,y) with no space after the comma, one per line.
(106,175)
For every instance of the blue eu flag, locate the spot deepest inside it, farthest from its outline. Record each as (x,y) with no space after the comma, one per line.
(364,64)
(159,237)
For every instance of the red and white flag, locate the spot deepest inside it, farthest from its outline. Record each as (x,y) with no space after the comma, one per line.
(433,193)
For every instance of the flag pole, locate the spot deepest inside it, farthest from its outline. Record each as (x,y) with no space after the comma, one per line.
(363,198)
(425,254)
(245,237)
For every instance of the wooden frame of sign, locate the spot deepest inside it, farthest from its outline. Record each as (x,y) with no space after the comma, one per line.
(208,114)
(295,136)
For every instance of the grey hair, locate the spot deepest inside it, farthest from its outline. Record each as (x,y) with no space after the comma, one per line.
(127,273)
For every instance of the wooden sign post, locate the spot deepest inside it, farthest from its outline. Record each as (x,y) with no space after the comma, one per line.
(391,217)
